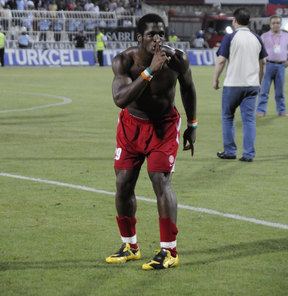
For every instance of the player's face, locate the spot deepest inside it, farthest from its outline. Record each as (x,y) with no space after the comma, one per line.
(154,33)
(275,24)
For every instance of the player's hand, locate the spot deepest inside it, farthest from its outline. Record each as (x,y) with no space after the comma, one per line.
(170,51)
(189,138)
(216,84)
(159,59)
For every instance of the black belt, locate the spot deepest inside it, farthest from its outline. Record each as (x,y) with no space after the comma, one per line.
(273,62)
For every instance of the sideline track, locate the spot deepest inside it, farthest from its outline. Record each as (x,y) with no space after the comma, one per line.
(180,206)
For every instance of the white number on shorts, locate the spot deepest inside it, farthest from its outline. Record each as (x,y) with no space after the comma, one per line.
(118,152)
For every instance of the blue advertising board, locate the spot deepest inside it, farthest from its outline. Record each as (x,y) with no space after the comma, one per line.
(278,1)
(51,57)
(74,57)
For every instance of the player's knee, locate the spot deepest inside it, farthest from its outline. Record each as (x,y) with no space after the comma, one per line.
(124,188)
(160,177)
(162,181)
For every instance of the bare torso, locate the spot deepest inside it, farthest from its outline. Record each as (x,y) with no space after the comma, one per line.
(158,98)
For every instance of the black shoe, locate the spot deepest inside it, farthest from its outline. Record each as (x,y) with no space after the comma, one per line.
(162,260)
(246,159)
(222,155)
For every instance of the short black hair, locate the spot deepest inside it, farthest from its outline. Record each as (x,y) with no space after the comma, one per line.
(275,16)
(148,18)
(242,16)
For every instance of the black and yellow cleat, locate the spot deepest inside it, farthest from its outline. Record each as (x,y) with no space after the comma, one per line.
(124,254)
(161,260)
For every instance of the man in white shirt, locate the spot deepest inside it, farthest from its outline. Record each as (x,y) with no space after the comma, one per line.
(244,52)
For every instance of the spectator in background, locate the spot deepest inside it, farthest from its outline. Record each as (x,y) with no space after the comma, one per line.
(100,46)
(103,5)
(96,8)
(58,25)
(276,44)
(173,37)
(44,26)
(29,5)
(113,5)
(52,6)
(88,5)
(36,4)
(199,41)
(27,22)
(2,46)
(80,25)
(90,29)
(80,39)
(72,27)
(44,4)
(24,40)
(11,4)
(6,16)
(20,4)
(120,8)
(137,7)
(70,5)
(61,5)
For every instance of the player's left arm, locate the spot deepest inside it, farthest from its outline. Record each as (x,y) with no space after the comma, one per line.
(261,69)
(188,95)
(219,67)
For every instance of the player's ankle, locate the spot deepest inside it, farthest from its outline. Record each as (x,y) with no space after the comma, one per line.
(172,251)
(134,247)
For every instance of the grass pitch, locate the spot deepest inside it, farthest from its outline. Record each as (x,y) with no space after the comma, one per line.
(53,240)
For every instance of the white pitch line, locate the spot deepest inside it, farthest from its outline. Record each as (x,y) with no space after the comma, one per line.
(65,101)
(185,207)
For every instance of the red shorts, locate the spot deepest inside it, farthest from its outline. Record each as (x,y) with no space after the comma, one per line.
(138,139)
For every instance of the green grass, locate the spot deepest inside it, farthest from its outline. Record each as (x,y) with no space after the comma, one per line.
(53,240)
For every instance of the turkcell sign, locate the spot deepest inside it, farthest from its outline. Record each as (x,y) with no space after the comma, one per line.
(70,57)
(197,57)
(51,57)
(201,57)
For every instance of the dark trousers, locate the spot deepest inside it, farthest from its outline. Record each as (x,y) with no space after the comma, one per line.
(43,36)
(57,36)
(2,51)
(100,58)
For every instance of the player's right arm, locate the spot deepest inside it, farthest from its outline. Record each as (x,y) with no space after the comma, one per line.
(124,89)
(262,57)
(219,67)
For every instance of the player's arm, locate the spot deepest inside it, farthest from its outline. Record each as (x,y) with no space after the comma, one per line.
(219,67)
(223,54)
(188,95)
(124,89)
(262,58)
(261,69)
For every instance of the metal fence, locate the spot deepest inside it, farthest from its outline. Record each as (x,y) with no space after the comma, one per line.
(60,25)
(56,29)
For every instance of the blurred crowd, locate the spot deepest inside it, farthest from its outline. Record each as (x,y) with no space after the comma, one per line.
(131,7)
(60,20)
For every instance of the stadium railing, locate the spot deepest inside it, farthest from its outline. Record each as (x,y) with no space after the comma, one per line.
(60,25)
(56,29)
